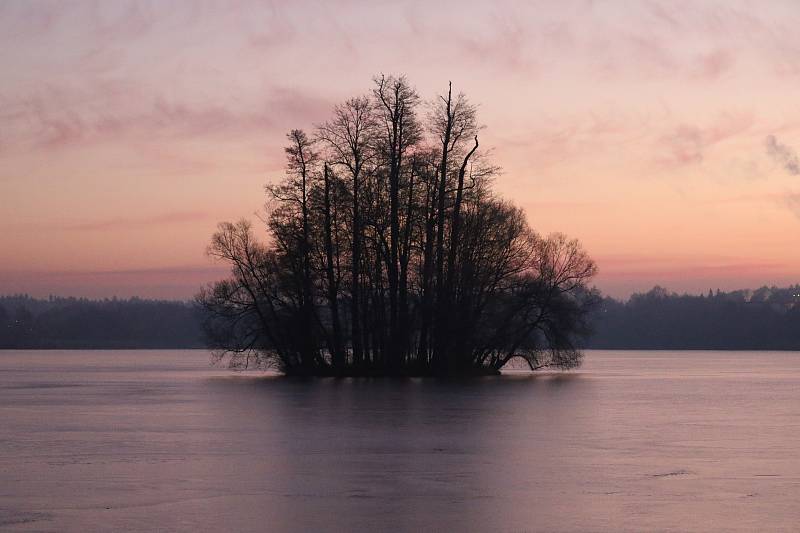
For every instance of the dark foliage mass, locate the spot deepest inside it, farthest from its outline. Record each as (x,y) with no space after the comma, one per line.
(764,319)
(387,253)
(79,323)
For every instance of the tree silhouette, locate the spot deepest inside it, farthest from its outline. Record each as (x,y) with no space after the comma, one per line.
(389,254)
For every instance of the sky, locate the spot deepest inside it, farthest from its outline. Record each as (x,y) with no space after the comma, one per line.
(661,134)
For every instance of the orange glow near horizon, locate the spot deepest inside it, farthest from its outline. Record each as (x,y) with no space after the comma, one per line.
(129,130)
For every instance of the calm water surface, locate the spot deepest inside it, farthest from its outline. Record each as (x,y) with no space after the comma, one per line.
(634,441)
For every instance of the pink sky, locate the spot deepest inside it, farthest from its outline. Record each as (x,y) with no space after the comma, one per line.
(129,129)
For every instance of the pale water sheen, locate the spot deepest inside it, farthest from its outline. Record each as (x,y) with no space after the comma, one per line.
(634,441)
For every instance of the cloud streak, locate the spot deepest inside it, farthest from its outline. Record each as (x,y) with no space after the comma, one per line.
(62,115)
(688,143)
(179,282)
(783,155)
(792,202)
(122,223)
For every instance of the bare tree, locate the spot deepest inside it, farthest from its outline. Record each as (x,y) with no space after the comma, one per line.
(349,137)
(390,254)
(397,101)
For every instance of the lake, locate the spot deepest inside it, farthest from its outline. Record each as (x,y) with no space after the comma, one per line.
(633,441)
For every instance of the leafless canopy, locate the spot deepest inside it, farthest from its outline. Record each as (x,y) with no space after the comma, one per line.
(388,253)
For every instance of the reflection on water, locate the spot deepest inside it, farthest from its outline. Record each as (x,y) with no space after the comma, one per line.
(137,441)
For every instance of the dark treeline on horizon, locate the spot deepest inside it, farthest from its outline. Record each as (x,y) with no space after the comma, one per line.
(763,319)
(66,323)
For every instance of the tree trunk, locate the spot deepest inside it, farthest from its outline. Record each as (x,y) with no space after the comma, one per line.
(356,276)
(337,355)
(440,331)
(448,305)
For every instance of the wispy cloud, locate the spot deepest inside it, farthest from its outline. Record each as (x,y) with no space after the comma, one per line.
(63,115)
(122,223)
(792,202)
(783,154)
(180,282)
(688,143)
(785,200)
(714,64)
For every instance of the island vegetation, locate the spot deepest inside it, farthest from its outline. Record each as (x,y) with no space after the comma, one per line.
(388,253)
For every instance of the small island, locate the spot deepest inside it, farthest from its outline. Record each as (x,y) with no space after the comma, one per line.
(387,253)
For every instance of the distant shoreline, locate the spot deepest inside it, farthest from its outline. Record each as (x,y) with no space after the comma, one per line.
(766,319)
